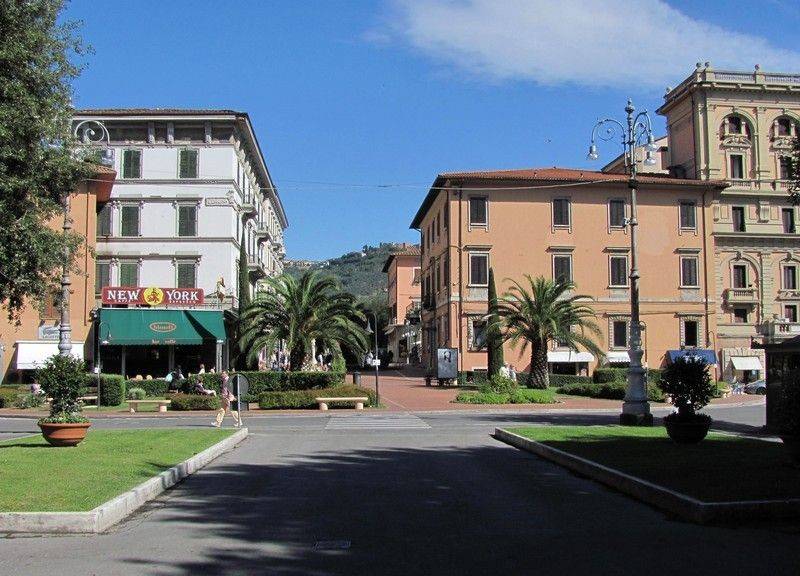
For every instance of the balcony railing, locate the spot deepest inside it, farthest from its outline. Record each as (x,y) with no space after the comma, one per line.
(741,296)
(413,310)
(782,329)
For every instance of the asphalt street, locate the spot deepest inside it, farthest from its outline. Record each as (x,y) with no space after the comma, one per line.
(400,493)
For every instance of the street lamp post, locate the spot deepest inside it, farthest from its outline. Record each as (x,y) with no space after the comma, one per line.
(636,408)
(375,360)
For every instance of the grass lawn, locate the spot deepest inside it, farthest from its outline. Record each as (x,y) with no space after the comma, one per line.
(35,477)
(721,468)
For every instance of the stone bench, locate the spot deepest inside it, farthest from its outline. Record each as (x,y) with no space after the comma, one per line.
(358,400)
(162,404)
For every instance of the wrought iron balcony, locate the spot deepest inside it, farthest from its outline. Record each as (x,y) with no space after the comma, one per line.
(413,310)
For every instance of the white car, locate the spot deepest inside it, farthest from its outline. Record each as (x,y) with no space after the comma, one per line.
(757,387)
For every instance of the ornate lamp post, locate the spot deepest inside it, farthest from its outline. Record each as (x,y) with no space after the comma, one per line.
(87,132)
(638,128)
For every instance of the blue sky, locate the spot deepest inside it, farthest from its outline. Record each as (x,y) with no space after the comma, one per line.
(358,105)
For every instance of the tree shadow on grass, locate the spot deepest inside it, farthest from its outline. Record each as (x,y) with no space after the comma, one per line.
(447,510)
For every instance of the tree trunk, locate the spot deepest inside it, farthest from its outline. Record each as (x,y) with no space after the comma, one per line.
(539,378)
(297,356)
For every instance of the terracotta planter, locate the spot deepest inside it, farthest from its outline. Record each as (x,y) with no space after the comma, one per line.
(691,432)
(64,434)
(792,443)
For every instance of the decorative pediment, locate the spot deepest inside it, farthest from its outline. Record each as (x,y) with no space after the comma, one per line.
(736,141)
(782,142)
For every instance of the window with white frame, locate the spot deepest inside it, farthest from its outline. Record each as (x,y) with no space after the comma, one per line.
(104,220)
(187,219)
(688,215)
(478,211)
(478,269)
(187,163)
(790,312)
(618,270)
(736,166)
(562,267)
(130,220)
(561,212)
(478,330)
(619,333)
(616,213)
(690,333)
(689,272)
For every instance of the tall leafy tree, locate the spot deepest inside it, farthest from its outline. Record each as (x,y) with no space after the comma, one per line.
(494,338)
(300,312)
(542,311)
(37,164)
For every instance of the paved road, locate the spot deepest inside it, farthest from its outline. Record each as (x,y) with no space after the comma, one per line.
(399,493)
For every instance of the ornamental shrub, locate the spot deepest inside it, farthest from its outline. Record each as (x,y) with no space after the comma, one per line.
(481,398)
(306,398)
(532,396)
(8,396)
(311,380)
(184,402)
(29,400)
(211,381)
(687,381)
(152,388)
(136,394)
(112,388)
(63,378)
(607,390)
(500,385)
(558,380)
(602,375)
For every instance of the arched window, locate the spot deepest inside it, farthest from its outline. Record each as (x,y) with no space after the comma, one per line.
(735,125)
(784,127)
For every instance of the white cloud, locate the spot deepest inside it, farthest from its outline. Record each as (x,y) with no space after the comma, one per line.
(616,43)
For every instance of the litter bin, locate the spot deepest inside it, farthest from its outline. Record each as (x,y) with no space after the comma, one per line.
(357,378)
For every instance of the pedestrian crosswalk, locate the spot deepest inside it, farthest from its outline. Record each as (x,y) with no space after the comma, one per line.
(376,422)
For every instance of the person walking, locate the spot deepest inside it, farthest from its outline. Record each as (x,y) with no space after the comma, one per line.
(226,397)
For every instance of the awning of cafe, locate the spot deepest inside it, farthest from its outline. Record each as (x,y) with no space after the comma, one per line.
(569,356)
(617,357)
(154,326)
(708,355)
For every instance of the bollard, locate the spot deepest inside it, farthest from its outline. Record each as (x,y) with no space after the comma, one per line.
(356,378)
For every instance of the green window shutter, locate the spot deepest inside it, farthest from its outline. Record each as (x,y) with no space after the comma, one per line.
(132,164)
(104,221)
(187,221)
(187,164)
(130,221)
(186,275)
(129,274)
(102,275)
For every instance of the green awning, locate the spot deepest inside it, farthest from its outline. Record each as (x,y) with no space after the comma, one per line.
(143,326)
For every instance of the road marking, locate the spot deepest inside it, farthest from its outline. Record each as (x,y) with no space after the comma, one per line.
(377,422)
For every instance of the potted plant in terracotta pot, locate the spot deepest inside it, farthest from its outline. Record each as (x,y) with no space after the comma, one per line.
(63,379)
(689,385)
(789,413)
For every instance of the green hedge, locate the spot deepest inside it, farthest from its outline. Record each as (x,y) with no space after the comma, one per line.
(305,398)
(183,402)
(603,375)
(518,396)
(557,380)
(8,395)
(153,388)
(609,390)
(112,388)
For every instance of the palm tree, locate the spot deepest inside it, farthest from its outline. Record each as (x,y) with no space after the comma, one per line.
(541,312)
(300,312)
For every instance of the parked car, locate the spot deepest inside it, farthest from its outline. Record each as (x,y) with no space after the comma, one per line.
(757,387)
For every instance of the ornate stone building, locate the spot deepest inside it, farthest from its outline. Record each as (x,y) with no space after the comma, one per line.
(739,127)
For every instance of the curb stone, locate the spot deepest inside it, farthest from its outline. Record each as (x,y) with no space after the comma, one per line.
(113,511)
(679,504)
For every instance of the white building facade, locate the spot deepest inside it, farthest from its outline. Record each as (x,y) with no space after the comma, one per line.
(191,186)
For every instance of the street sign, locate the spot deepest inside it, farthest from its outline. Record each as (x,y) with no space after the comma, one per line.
(447,363)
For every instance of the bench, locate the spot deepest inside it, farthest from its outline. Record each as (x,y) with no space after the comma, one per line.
(162,404)
(358,400)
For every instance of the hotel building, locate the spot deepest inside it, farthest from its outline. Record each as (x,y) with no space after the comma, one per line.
(192,186)
(404,296)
